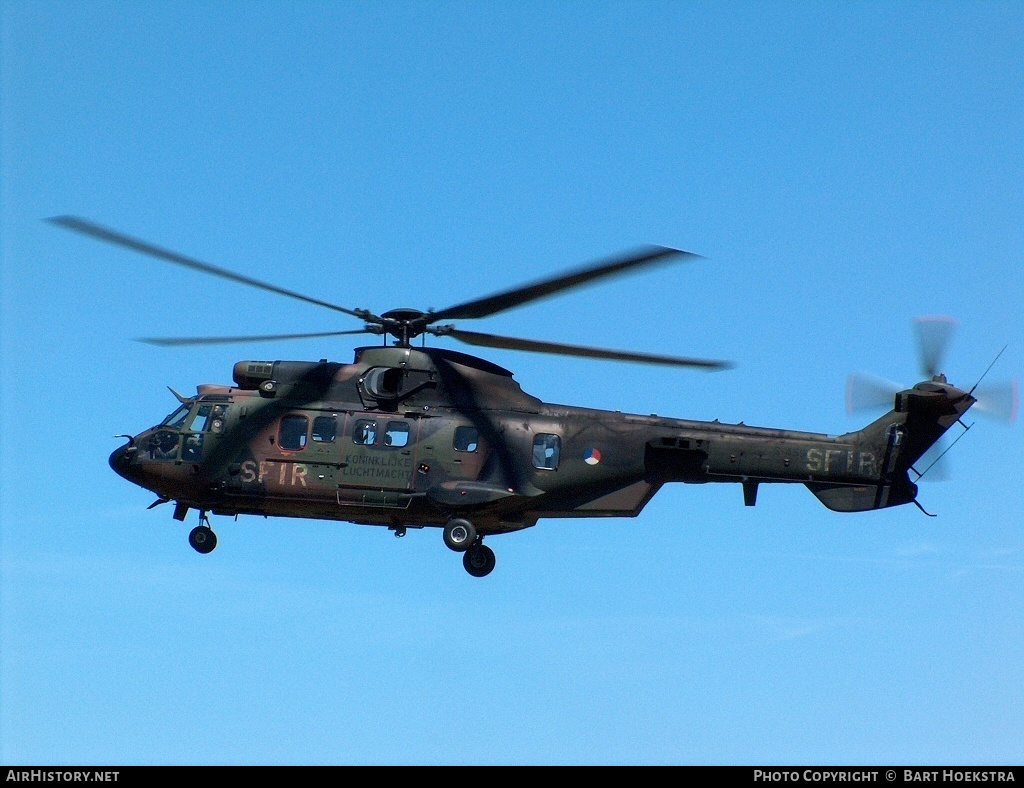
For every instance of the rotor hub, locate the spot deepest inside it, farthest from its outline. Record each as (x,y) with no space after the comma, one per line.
(404,323)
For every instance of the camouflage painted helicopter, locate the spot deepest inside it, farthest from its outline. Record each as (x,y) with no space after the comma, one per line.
(412,437)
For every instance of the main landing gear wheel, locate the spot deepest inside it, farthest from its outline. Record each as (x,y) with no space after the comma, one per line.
(459,535)
(479,560)
(202,539)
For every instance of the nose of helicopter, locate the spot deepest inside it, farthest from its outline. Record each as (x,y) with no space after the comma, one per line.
(121,460)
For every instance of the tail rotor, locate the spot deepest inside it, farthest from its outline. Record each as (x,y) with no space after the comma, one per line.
(998,401)
(868,392)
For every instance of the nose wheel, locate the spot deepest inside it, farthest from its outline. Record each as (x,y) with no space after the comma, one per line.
(202,538)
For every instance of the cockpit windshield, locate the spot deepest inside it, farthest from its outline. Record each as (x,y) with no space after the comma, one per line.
(176,419)
(193,420)
(206,417)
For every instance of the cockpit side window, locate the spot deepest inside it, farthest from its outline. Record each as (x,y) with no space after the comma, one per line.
(161,445)
(218,418)
(192,450)
(202,419)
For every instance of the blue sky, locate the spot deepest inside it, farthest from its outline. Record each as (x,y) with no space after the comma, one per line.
(842,167)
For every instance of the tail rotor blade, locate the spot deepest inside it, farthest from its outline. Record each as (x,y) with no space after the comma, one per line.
(933,335)
(998,401)
(867,392)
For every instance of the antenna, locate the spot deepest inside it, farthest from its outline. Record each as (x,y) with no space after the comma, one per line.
(983,374)
(932,465)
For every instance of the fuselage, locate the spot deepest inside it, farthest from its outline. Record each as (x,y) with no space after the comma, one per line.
(406,438)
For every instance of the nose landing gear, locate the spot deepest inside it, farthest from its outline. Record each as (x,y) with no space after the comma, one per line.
(202,538)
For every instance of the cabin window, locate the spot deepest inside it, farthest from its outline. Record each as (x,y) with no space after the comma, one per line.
(364,433)
(292,435)
(397,434)
(325,429)
(546,448)
(466,439)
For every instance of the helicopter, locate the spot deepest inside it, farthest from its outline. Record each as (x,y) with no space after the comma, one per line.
(411,436)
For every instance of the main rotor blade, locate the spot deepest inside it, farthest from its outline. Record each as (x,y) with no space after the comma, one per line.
(182,341)
(511,343)
(86,227)
(499,302)
(933,335)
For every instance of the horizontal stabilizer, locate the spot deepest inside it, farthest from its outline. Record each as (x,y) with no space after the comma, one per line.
(865,497)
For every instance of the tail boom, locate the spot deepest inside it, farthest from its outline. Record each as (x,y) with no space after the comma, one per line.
(859,471)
